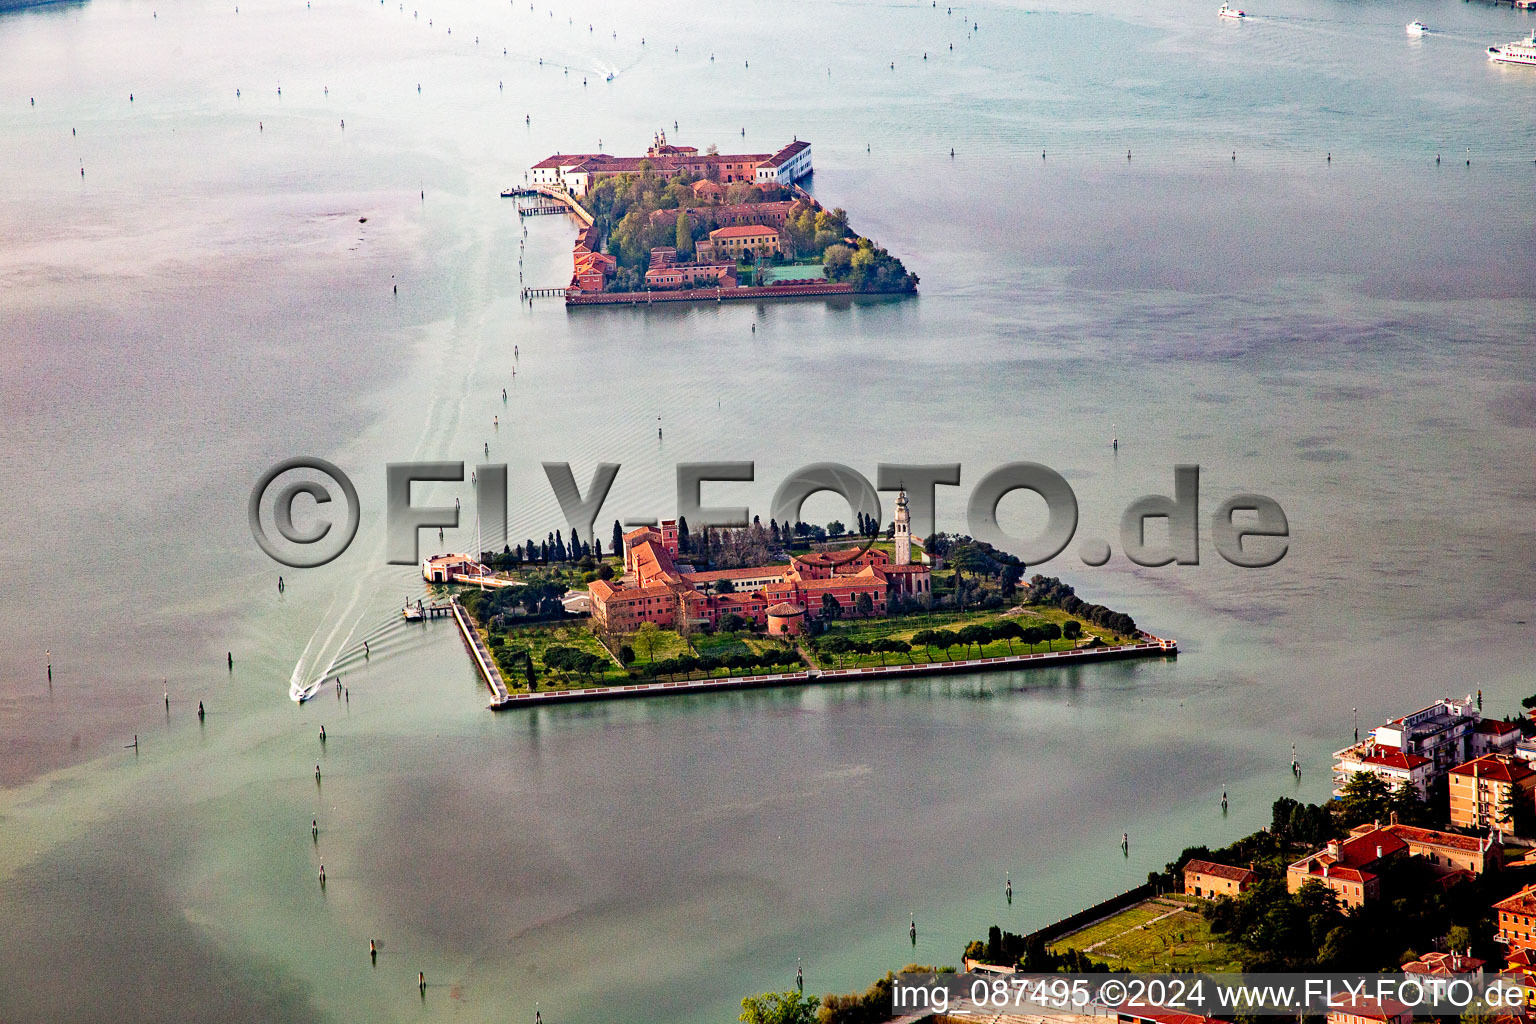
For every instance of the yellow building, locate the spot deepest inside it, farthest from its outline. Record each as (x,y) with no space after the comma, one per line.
(744,241)
(1480,790)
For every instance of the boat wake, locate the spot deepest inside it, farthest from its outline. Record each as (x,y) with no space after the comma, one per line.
(305,682)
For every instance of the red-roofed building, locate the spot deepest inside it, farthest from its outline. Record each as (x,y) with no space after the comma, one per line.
(656,589)
(1350,868)
(1481,790)
(1444,965)
(1447,852)
(1397,769)
(1147,1015)
(1208,879)
(1517,921)
(1494,736)
(744,241)
(576,173)
(1347,1008)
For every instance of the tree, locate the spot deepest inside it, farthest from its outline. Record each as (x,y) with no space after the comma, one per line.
(647,635)
(1071,629)
(837,259)
(976,633)
(682,533)
(618,539)
(864,604)
(1050,632)
(1365,797)
(780,1008)
(684,236)
(626,655)
(725,586)
(831,608)
(1517,812)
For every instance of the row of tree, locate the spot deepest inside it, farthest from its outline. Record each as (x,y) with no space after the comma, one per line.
(687,664)
(1052,591)
(552,549)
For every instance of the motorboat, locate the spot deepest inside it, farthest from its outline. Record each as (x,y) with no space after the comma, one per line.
(1228,11)
(1417,28)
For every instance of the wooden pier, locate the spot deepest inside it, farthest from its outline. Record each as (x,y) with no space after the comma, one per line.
(541,207)
(418,611)
(543,293)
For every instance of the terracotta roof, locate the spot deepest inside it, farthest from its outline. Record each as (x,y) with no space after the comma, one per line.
(1496,726)
(1522,902)
(784,155)
(1227,871)
(743,231)
(1443,963)
(784,609)
(1407,762)
(1431,837)
(1361,850)
(1495,768)
(1161,1016)
(751,572)
(1363,1006)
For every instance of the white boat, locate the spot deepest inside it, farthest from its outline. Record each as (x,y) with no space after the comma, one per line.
(1417,28)
(1228,11)
(1521,51)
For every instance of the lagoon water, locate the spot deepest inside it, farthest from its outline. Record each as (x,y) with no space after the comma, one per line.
(1351,336)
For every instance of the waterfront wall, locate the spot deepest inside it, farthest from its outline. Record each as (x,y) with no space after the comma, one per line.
(708,294)
(1152,648)
(1083,918)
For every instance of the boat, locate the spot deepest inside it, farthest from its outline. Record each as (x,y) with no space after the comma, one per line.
(1521,51)
(609,78)
(1417,28)
(509,193)
(413,613)
(1228,11)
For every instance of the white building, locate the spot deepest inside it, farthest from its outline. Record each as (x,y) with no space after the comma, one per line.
(1441,732)
(1392,766)
(902,532)
(787,166)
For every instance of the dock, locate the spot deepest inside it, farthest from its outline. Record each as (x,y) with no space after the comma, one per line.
(419,611)
(483,660)
(544,293)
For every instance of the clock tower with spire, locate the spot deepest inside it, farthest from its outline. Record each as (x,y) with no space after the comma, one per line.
(903,531)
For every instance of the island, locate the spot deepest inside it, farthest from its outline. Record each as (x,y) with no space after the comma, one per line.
(668,612)
(678,225)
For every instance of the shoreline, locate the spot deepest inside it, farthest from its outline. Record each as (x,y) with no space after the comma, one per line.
(1155,647)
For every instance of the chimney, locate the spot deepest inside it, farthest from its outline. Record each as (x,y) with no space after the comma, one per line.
(1334,850)
(1325,870)
(1378,851)
(1393,818)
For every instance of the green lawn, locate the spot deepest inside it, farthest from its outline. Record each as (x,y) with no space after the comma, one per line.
(1157,935)
(903,628)
(537,639)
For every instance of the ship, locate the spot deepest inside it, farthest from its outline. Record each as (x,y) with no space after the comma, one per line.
(1228,11)
(1521,51)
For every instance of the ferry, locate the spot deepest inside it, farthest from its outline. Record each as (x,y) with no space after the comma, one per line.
(1417,28)
(1228,11)
(1521,51)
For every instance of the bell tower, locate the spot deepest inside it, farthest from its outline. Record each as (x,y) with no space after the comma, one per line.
(903,531)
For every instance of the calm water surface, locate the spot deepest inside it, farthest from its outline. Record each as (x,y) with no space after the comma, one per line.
(1352,337)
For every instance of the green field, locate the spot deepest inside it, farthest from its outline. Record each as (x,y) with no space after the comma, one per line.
(1163,934)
